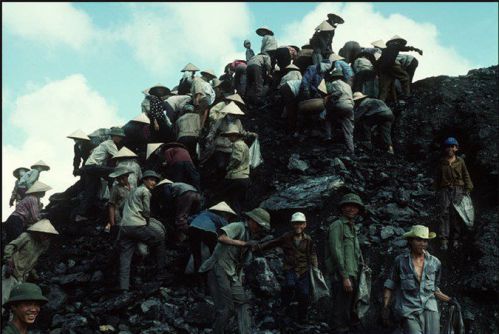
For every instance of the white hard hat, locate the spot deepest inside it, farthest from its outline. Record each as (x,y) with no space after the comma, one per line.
(298,217)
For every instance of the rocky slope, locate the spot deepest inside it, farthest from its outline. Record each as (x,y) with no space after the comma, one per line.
(308,175)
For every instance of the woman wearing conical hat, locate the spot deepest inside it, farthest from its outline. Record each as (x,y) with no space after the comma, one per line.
(125,158)
(27,211)
(15,196)
(82,149)
(21,255)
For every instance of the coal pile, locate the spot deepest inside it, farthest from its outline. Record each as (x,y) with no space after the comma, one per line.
(79,270)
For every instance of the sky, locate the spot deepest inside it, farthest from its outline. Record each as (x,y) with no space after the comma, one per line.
(68,66)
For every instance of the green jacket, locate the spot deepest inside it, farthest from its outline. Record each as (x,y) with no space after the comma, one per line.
(454,174)
(342,250)
(10,329)
(24,252)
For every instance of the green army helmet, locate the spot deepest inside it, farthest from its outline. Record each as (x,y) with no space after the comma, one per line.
(261,217)
(352,198)
(151,174)
(116,131)
(26,292)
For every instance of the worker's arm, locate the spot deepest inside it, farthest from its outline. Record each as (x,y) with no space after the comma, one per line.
(232,242)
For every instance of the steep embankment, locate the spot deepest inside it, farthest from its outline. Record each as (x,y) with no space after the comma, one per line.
(80,266)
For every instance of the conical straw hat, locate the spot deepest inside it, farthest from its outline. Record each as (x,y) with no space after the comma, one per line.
(151,148)
(324,26)
(124,152)
(232,129)
(397,38)
(236,98)
(164,181)
(43,226)
(335,57)
(142,118)
(41,163)
(209,73)
(335,18)
(233,109)
(292,67)
(223,207)
(79,134)
(380,44)
(18,170)
(38,187)
(262,31)
(190,67)
(358,96)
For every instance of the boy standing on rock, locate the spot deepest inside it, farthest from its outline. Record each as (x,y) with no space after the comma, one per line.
(452,181)
(299,256)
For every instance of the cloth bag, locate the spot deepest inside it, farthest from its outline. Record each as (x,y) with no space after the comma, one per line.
(255,156)
(363,294)
(318,285)
(454,323)
(466,210)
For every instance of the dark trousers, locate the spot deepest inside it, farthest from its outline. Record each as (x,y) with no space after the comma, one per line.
(186,204)
(129,237)
(234,193)
(364,81)
(196,237)
(240,79)
(291,103)
(450,222)
(14,226)
(254,89)
(383,121)
(184,171)
(163,135)
(228,296)
(91,181)
(387,82)
(190,142)
(296,287)
(342,315)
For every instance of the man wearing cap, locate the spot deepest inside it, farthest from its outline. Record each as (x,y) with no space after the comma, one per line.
(342,259)
(204,228)
(24,302)
(16,196)
(225,265)
(452,180)
(389,69)
(415,279)
(95,168)
(249,51)
(29,179)
(373,112)
(339,108)
(299,256)
(175,199)
(27,211)
(21,255)
(135,227)
(179,165)
(119,193)
(82,148)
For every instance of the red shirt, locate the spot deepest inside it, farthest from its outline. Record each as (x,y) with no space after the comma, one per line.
(177,154)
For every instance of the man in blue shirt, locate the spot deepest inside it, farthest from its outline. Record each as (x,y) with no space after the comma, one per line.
(415,277)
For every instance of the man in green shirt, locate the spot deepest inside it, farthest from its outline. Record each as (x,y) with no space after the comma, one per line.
(24,301)
(225,265)
(342,257)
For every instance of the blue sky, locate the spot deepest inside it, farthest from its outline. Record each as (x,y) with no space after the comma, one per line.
(118,49)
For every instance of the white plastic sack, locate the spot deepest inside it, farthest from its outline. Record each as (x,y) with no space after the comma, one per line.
(255,156)
(318,286)
(205,254)
(466,210)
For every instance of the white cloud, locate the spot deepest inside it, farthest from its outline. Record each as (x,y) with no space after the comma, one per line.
(167,36)
(50,23)
(364,25)
(47,115)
